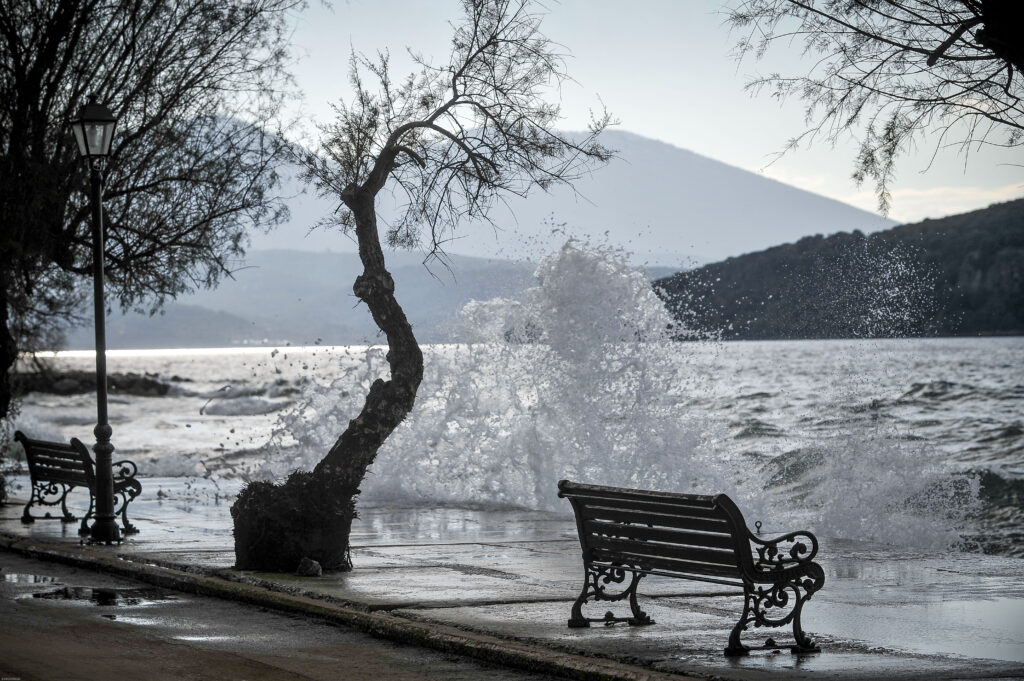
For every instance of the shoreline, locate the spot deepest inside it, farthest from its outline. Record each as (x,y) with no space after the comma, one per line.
(502,582)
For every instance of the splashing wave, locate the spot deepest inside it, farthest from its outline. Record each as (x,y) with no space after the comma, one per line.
(580,379)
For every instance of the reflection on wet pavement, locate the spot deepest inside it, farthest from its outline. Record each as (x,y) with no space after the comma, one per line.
(107,597)
(885,610)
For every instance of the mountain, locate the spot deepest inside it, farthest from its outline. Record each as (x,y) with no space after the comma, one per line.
(667,206)
(959,275)
(303,298)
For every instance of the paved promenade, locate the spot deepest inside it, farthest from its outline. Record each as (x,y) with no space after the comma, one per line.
(499,585)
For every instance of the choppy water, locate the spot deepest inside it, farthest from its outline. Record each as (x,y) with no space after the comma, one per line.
(917,441)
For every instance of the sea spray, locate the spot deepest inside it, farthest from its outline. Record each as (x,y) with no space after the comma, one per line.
(579,379)
(868,477)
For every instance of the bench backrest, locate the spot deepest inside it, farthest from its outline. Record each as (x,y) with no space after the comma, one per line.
(697,536)
(58,462)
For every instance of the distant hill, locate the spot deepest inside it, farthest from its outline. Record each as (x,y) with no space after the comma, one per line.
(667,206)
(959,275)
(306,298)
(303,298)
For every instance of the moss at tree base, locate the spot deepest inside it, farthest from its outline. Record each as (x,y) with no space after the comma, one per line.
(276,526)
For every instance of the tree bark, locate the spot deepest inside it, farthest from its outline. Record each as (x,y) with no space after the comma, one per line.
(388,402)
(310,515)
(8,352)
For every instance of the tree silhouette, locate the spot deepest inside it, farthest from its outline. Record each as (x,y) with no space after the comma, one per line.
(196,85)
(894,71)
(450,141)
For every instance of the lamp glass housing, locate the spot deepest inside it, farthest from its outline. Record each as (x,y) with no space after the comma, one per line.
(94,130)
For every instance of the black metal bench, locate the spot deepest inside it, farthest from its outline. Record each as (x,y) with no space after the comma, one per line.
(691,536)
(57,468)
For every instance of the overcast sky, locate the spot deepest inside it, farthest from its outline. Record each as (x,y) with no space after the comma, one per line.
(664,68)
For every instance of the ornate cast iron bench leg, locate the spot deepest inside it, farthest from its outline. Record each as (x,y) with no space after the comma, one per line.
(40,492)
(126,488)
(760,601)
(125,496)
(83,529)
(595,583)
(815,580)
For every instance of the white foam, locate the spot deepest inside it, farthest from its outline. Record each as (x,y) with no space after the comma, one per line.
(579,380)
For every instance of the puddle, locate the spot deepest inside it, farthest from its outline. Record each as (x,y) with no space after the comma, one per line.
(140,621)
(107,597)
(20,578)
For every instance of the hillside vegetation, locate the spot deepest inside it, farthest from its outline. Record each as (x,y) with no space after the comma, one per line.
(960,275)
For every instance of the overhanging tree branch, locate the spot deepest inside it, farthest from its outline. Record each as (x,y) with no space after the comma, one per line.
(945,65)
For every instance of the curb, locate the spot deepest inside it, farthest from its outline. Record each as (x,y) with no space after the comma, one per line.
(518,654)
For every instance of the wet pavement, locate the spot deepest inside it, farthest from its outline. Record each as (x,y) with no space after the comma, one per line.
(499,585)
(62,622)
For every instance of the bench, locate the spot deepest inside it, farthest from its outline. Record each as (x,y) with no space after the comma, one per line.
(57,468)
(691,536)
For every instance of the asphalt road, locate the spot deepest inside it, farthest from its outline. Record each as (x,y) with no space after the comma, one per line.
(58,622)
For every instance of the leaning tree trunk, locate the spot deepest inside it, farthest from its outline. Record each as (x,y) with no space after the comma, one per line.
(310,514)
(8,352)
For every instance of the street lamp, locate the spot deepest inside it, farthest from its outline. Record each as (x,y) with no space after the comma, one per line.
(94,130)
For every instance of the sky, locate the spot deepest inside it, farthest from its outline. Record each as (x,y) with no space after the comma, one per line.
(665,70)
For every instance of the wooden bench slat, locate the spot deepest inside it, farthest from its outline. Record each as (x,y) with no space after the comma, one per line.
(61,475)
(58,465)
(570,489)
(667,564)
(694,511)
(719,526)
(657,534)
(68,464)
(694,554)
(40,446)
(696,506)
(63,455)
(728,581)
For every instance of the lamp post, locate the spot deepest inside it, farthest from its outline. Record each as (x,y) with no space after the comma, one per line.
(94,130)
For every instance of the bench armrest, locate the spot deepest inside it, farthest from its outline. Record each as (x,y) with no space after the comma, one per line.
(785,551)
(124,470)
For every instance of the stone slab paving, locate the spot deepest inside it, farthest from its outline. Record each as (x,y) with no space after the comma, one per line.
(884,611)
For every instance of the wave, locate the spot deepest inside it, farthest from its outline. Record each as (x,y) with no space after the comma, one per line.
(755,428)
(1013,431)
(948,391)
(243,406)
(600,394)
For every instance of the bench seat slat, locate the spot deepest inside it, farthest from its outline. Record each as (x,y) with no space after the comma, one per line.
(63,455)
(656,519)
(65,477)
(569,490)
(57,447)
(733,581)
(659,534)
(66,464)
(688,553)
(695,510)
(52,465)
(62,474)
(673,565)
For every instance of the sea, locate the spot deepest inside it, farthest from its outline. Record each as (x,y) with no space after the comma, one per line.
(908,441)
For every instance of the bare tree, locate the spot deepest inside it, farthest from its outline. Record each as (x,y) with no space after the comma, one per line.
(893,71)
(451,140)
(196,85)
